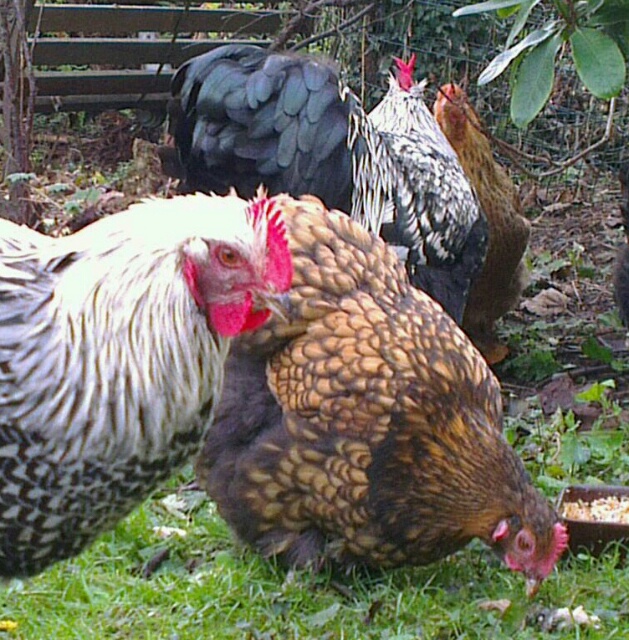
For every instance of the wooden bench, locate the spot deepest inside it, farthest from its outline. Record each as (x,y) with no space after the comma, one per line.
(124,55)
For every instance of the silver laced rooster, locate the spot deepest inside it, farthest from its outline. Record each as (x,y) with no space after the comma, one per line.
(112,347)
(243,116)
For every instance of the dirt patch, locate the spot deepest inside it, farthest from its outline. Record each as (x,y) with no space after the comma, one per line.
(568,311)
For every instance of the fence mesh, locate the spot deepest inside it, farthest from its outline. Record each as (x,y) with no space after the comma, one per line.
(457,50)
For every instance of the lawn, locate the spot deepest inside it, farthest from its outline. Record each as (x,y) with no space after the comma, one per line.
(197,583)
(172,571)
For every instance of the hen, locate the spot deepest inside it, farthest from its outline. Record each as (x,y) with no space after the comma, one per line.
(372,429)
(248,117)
(504,274)
(621,272)
(112,346)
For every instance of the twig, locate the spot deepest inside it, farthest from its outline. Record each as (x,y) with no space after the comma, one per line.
(335,30)
(309,11)
(154,563)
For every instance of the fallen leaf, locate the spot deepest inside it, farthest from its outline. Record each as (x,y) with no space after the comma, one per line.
(557,206)
(587,415)
(175,505)
(566,618)
(495,605)
(549,302)
(559,392)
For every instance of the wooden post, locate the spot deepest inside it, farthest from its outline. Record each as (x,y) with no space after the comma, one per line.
(17,103)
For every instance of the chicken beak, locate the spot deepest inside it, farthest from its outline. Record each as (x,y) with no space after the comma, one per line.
(532,587)
(278,303)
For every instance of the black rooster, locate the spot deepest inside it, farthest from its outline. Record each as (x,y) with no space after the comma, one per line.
(244,117)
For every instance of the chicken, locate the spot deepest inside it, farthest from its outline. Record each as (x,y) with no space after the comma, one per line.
(112,346)
(504,274)
(372,429)
(247,116)
(621,271)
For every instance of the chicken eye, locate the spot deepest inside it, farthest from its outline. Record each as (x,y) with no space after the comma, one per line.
(228,257)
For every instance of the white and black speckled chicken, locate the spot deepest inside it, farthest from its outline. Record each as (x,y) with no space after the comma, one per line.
(248,117)
(112,346)
(367,429)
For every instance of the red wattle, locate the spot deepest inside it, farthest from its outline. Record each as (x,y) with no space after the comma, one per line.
(228,320)
(514,565)
(256,319)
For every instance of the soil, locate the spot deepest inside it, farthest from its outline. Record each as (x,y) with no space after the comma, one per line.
(576,233)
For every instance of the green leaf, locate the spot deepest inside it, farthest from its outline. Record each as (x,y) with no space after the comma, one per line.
(596,392)
(17,178)
(534,82)
(482,7)
(507,12)
(573,451)
(502,60)
(599,62)
(594,350)
(604,444)
(59,187)
(613,18)
(520,20)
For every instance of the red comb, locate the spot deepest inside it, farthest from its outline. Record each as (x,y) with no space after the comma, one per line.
(561,537)
(279,262)
(405,71)
(559,545)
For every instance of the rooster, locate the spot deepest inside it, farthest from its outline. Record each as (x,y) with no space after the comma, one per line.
(112,346)
(504,274)
(372,433)
(247,116)
(621,271)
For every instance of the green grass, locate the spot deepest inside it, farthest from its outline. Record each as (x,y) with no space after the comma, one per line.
(209,587)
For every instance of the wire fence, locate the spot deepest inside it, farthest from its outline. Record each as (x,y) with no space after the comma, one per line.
(457,50)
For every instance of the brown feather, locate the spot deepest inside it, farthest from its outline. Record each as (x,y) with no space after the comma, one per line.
(503,277)
(384,446)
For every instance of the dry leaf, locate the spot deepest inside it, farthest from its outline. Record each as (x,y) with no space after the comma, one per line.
(557,206)
(565,618)
(175,505)
(549,302)
(559,392)
(495,605)
(167,532)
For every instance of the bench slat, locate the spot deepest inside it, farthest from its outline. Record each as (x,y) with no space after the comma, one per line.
(116,20)
(123,52)
(272,4)
(62,83)
(98,103)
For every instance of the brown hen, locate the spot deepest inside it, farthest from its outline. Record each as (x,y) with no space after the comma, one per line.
(504,274)
(367,429)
